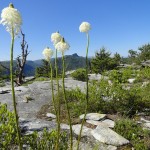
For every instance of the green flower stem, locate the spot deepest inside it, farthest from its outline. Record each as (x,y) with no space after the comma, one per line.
(87,92)
(66,103)
(58,113)
(56,68)
(53,99)
(13,91)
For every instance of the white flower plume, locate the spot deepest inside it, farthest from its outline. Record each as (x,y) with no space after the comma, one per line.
(84,27)
(62,46)
(48,53)
(11,18)
(55,38)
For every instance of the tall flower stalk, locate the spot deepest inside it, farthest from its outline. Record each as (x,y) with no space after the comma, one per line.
(11,18)
(13,91)
(59,107)
(48,53)
(85,27)
(62,46)
(55,38)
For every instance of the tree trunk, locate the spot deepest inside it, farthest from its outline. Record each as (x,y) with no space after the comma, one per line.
(21,61)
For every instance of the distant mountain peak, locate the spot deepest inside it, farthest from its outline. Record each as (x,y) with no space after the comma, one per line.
(75,55)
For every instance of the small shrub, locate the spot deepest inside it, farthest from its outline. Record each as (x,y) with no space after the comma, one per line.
(79,74)
(2,83)
(7,128)
(134,133)
(45,141)
(76,101)
(143,75)
(121,76)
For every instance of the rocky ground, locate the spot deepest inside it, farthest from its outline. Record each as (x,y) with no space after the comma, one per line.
(98,131)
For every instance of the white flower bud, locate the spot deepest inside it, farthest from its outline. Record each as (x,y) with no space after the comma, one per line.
(48,53)
(84,27)
(11,18)
(62,46)
(55,38)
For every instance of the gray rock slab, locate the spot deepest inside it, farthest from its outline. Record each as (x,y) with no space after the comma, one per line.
(108,123)
(19,89)
(108,136)
(28,126)
(29,78)
(93,116)
(147,125)
(97,77)
(39,92)
(39,87)
(144,120)
(5,90)
(85,130)
(93,122)
(64,126)
(89,143)
(50,115)
(73,84)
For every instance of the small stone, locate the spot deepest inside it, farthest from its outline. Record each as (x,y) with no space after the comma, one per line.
(25,100)
(108,136)
(93,122)
(131,80)
(64,126)
(144,120)
(85,131)
(91,145)
(147,125)
(50,115)
(93,116)
(109,122)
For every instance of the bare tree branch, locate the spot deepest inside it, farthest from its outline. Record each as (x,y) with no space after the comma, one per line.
(21,60)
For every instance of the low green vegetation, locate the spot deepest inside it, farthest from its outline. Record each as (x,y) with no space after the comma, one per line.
(138,137)
(143,75)
(79,74)
(2,83)
(121,75)
(110,98)
(8,138)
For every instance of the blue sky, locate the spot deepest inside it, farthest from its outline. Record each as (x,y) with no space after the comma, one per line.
(118,25)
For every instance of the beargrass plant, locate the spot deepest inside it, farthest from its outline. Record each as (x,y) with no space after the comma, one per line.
(11,18)
(48,53)
(62,46)
(85,27)
(55,38)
